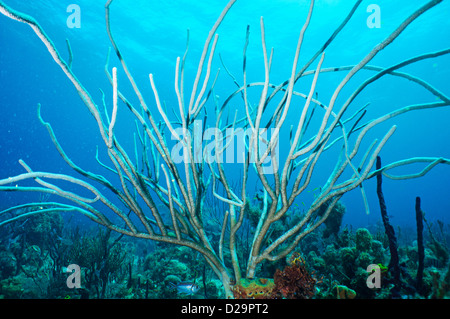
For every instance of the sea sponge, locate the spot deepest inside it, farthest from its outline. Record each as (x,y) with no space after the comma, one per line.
(316,262)
(8,264)
(378,252)
(363,240)
(12,288)
(364,259)
(259,288)
(330,255)
(348,257)
(343,292)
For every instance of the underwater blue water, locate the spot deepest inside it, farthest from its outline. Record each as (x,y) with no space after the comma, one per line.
(152,34)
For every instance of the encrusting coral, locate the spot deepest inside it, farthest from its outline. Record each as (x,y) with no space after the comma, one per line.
(295,281)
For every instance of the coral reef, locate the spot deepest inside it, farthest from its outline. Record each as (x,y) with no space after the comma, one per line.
(162,195)
(112,266)
(100,257)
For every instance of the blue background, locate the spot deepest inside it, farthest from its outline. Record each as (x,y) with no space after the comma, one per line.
(152,34)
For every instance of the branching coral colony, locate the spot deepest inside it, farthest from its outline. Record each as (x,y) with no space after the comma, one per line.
(183,185)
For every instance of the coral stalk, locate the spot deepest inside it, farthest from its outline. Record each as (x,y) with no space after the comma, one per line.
(420,246)
(394,265)
(139,192)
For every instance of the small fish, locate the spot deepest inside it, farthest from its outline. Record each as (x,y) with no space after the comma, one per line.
(36,248)
(185,287)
